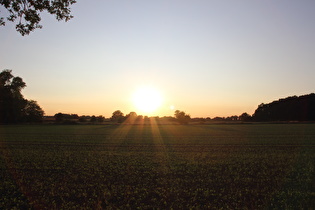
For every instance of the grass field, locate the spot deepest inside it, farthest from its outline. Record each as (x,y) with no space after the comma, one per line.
(232,166)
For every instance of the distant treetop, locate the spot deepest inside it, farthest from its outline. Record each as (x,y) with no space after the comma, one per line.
(182,117)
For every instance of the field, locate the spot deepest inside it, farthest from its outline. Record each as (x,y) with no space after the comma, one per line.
(232,166)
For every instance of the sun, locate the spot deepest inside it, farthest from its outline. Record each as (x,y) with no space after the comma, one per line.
(147,100)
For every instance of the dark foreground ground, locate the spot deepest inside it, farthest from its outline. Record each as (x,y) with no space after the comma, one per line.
(262,166)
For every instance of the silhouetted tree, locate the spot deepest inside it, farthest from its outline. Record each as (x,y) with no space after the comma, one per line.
(13,107)
(146,119)
(182,117)
(139,119)
(32,112)
(27,12)
(199,120)
(83,119)
(218,119)
(244,117)
(100,118)
(131,117)
(74,116)
(231,118)
(93,119)
(292,108)
(117,116)
(59,117)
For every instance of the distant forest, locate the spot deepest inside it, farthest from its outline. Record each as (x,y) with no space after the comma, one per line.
(14,108)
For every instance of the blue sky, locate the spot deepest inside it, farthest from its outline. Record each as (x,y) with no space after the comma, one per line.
(208,58)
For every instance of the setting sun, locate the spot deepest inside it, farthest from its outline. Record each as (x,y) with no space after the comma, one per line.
(147,100)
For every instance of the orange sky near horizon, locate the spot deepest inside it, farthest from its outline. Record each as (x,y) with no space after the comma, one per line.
(207,58)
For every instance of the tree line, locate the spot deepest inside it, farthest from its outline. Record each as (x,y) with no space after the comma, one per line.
(70,118)
(288,109)
(14,108)
(292,108)
(133,118)
(117,117)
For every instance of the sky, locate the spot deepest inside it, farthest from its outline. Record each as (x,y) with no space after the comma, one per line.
(205,57)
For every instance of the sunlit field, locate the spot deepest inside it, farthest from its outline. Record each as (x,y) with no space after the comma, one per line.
(232,166)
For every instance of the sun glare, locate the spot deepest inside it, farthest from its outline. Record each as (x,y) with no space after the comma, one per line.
(147,100)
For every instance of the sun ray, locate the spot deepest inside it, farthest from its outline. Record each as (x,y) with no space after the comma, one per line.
(161,151)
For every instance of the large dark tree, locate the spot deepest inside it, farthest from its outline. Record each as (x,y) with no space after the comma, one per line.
(182,117)
(32,112)
(292,108)
(117,116)
(13,107)
(244,117)
(26,13)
